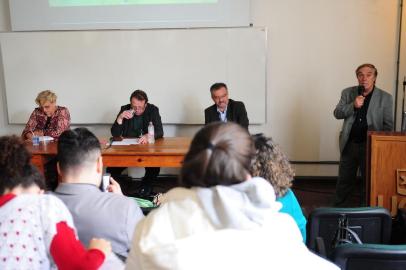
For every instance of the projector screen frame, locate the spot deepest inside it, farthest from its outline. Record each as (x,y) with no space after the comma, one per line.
(28,15)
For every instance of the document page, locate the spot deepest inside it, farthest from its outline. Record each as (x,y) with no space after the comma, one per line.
(45,138)
(126,142)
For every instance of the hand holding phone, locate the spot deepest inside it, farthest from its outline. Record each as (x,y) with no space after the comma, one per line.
(114,187)
(105,182)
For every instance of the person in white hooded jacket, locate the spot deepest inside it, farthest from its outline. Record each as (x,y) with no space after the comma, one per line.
(221,217)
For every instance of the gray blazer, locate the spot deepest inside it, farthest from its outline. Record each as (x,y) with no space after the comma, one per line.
(379,114)
(101,214)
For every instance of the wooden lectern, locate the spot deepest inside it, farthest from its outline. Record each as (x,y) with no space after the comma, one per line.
(386,170)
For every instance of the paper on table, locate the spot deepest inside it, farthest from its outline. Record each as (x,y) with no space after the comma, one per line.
(126,142)
(45,138)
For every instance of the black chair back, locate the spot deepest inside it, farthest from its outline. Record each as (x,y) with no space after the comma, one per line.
(372,225)
(370,257)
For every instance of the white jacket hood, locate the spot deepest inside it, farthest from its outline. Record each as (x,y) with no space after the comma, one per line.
(236,227)
(240,206)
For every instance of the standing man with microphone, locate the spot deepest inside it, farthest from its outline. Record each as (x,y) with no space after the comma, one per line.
(363,107)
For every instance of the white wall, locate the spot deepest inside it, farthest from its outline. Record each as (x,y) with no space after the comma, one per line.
(5,26)
(314,47)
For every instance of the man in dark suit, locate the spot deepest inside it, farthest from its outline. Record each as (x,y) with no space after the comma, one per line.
(132,122)
(363,107)
(225,109)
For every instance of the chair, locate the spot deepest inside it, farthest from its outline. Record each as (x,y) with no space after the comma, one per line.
(398,236)
(370,257)
(372,224)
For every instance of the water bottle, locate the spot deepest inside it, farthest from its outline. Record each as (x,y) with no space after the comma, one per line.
(35,140)
(151,133)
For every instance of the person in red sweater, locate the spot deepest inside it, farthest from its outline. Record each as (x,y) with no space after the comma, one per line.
(36,230)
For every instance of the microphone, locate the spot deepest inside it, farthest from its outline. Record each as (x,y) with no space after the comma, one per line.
(361,90)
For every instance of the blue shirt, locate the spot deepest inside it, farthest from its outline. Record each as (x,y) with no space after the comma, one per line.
(223,115)
(291,206)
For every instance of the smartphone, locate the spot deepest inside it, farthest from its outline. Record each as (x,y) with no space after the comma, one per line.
(105,182)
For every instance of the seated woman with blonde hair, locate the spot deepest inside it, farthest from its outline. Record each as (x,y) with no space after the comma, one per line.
(221,217)
(36,230)
(273,165)
(48,119)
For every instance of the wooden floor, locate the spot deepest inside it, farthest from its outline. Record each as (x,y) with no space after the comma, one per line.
(317,192)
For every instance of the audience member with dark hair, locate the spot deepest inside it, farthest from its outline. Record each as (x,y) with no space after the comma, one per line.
(221,218)
(273,165)
(14,164)
(110,215)
(34,179)
(37,231)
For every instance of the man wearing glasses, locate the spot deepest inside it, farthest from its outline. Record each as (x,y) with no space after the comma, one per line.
(132,122)
(225,109)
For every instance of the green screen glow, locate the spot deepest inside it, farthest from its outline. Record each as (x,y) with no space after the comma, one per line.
(70,3)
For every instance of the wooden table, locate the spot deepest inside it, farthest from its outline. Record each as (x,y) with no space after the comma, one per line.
(165,152)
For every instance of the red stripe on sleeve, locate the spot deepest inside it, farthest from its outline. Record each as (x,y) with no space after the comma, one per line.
(69,253)
(5,198)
